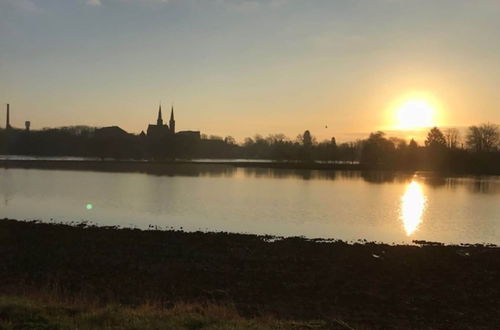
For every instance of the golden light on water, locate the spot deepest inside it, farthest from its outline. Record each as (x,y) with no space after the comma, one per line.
(412,207)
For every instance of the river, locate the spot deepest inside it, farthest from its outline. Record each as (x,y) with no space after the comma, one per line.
(348,205)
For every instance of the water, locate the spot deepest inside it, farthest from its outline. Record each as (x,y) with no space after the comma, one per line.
(377,206)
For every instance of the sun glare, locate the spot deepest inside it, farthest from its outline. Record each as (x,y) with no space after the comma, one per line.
(413,204)
(414,114)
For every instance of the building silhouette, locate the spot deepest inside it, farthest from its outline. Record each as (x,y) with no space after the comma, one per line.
(7,119)
(111,132)
(172,121)
(161,130)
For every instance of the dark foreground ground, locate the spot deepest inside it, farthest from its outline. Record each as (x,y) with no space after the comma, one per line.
(340,285)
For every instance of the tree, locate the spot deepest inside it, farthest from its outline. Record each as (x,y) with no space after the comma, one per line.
(347,151)
(378,151)
(452,136)
(435,139)
(436,154)
(229,140)
(307,139)
(398,143)
(276,138)
(411,159)
(485,137)
(215,137)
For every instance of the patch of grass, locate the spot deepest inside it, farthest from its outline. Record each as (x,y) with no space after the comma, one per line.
(18,313)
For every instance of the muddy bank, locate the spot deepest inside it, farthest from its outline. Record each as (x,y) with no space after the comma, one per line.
(366,285)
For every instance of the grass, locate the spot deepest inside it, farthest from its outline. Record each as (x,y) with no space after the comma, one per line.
(24,313)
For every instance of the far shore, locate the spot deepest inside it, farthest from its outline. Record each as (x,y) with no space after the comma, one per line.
(344,286)
(164,167)
(172,167)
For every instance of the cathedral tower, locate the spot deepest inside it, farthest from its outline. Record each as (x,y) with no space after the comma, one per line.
(159,121)
(172,121)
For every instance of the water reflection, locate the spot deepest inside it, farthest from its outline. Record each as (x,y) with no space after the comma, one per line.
(412,207)
(285,202)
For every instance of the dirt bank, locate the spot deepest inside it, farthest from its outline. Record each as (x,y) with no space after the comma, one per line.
(366,285)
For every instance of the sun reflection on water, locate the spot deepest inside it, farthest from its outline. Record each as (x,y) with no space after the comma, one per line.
(412,207)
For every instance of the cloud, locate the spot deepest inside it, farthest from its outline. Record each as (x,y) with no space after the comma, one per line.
(94,2)
(99,2)
(231,4)
(24,5)
(245,5)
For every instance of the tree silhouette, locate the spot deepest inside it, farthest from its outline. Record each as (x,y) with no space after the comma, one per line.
(436,153)
(378,151)
(485,137)
(307,139)
(375,152)
(452,136)
(435,139)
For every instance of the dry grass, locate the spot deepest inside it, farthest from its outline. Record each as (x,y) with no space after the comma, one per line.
(48,313)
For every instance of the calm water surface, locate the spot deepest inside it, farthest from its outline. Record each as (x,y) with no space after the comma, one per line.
(378,206)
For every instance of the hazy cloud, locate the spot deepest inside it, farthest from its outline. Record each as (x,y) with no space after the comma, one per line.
(251,4)
(99,2)
(232,4)
(25,5)
(94,2)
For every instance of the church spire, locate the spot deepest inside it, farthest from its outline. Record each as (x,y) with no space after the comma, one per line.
(172,120)
(159,121)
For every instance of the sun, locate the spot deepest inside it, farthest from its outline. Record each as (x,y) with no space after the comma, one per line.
(414,114)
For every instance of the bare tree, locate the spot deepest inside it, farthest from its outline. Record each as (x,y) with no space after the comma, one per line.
(452,136)
(276,138)
(485,137)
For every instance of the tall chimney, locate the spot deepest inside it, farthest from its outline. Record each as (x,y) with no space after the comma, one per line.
(7,121)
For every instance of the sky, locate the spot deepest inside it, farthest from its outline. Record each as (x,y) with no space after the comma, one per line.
(244,67)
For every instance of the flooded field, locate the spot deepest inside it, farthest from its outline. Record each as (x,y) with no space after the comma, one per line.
(349,205)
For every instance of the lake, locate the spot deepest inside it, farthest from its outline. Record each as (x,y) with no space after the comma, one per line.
(348,205)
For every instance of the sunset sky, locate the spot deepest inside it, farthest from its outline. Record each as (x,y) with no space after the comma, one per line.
(339,68)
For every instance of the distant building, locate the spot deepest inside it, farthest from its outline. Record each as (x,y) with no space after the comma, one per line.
(7,119)
(111,132)
(8,126)
(161,130)
(172,121)
(192,135)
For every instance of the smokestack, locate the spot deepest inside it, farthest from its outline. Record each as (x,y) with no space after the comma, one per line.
(7,121)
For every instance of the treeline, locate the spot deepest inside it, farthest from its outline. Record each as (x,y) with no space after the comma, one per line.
(477,151)
(443,150)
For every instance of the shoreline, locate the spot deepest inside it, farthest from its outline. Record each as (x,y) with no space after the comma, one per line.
(166,167)
(162,166)
(366,285)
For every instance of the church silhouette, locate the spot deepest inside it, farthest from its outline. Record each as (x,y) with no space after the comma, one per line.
(161,130)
